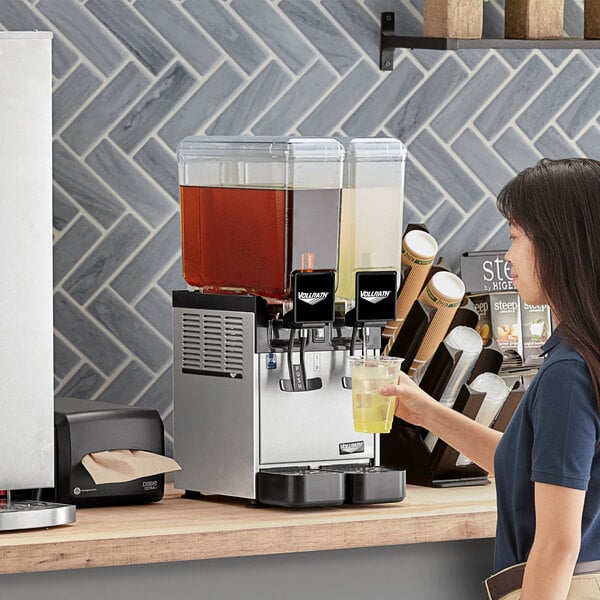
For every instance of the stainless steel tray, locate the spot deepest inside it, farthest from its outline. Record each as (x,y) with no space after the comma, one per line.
(30,514)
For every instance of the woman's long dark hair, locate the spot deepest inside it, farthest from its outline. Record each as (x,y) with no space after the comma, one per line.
(557,205)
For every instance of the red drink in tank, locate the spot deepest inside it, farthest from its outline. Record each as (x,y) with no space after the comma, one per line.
(233,239)
(250,240)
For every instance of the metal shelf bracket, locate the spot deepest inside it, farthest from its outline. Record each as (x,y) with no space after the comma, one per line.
(386,55)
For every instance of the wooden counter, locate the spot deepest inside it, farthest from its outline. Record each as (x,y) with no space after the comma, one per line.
(178,529)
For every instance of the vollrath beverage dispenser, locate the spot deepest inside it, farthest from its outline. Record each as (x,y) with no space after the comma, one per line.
(261,376)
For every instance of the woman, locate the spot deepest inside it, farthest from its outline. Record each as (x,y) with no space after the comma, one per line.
(546,464)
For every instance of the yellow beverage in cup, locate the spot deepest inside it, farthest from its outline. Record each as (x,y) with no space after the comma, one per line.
(372,412)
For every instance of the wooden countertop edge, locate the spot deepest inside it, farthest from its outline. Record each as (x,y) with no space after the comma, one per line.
(178,529)
(280,539)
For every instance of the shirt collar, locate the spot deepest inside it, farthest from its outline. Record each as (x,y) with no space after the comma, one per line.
(552,341)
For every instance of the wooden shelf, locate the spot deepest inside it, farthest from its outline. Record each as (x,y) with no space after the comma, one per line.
(390,41)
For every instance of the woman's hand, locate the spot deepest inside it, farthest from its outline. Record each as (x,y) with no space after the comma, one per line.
(412,403)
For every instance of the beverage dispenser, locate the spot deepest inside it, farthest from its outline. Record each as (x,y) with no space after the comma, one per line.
(261,385)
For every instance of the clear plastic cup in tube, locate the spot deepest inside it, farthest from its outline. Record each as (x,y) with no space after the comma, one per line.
(496,393)
(469,343)
(372,412)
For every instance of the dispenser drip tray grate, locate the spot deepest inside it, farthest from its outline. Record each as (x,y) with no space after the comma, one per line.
(30,514)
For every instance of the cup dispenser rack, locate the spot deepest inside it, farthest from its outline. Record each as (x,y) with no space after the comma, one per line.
(404,447)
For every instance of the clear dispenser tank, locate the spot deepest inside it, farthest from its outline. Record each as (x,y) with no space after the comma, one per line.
(256,209)
(372,203)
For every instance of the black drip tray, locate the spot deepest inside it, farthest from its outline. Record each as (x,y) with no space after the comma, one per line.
(300,487)
(371,485)
(330,486)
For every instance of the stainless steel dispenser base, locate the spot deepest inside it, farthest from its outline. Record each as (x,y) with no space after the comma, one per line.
(31,514)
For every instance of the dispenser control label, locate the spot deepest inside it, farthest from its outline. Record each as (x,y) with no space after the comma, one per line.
(314,297)
(271,359)
(376,296)
(352,447)
(299,379)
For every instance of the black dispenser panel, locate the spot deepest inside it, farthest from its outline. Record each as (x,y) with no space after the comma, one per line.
(376,296)
(314,298)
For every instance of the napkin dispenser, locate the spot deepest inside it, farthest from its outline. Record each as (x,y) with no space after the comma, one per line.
(82,427)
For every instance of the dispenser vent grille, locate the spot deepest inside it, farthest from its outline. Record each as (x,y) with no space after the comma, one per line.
(213,344)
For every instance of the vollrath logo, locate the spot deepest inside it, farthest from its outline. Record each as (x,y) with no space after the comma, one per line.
(376,296)
(312,298)
(352,447)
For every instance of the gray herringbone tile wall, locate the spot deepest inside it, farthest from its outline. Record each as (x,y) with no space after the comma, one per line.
(133,77)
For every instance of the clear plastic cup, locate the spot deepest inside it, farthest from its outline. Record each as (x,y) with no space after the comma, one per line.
(372,412)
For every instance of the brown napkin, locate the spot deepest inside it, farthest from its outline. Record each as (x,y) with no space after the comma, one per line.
(116,466)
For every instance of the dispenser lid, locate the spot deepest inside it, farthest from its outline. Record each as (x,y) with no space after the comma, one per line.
(244,161)
(374,162)
(375,149)
(261,148)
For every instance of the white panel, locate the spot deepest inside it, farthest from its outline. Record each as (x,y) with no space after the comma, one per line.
(26,358)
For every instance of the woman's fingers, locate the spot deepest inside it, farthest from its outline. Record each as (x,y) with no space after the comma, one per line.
(389,390)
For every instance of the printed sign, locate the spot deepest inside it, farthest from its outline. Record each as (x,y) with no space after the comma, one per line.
(485,272)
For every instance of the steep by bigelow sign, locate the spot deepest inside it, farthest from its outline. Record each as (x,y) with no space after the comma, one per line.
(485,272)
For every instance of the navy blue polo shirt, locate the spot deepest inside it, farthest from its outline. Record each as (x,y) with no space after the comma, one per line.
(551,438)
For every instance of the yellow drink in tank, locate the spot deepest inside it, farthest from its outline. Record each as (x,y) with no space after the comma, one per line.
(372,412)
(371,209)
(370,237)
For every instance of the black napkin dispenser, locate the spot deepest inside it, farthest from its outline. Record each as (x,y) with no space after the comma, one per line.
(85,426)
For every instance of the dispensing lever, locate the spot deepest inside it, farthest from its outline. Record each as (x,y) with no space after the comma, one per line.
(298,380)
(297,371)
